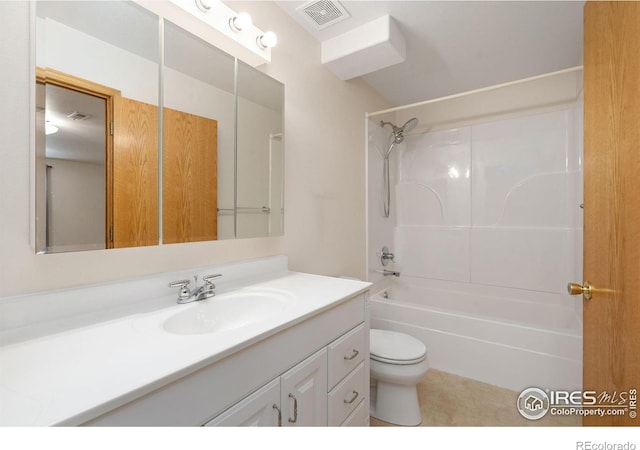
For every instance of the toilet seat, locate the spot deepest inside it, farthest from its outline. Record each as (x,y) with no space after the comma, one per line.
(391,347)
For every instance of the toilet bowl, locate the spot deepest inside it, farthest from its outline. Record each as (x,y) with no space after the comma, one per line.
(398,363)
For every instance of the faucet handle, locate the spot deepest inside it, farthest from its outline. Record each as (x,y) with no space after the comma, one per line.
(179,283)
(208,278)
(386,256)
(185,293)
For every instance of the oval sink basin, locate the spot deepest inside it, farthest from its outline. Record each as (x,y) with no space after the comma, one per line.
(226,312)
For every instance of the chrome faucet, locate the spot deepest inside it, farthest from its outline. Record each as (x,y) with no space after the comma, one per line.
(207,290)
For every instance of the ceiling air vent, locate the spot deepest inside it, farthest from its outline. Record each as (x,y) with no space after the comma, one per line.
(323,13)
(78,116)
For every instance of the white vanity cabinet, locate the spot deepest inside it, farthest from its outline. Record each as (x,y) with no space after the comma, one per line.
(297,398)
(327,388)
(311,373)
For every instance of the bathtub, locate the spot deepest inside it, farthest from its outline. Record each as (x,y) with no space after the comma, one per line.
(504,337)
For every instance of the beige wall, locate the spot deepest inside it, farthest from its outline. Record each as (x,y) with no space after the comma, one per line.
(324,172)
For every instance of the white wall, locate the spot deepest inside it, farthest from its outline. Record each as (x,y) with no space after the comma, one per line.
(59,47)
(324,173)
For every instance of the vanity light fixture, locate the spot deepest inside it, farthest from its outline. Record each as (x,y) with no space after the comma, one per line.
(240,22)
(267,40)
(232,32)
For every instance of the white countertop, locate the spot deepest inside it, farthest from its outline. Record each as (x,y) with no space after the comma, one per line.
(73,376)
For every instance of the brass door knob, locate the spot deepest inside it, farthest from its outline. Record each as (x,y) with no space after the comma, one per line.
(584,289)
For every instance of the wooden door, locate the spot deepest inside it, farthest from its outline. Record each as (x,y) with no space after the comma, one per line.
(612,201)
(190,178)
(135,174)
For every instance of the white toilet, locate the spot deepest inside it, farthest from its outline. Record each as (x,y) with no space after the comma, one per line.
(398,363)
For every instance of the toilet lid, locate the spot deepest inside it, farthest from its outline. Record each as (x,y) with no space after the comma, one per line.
(393,347)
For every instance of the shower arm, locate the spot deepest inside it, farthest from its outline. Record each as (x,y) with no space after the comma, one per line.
(382,124)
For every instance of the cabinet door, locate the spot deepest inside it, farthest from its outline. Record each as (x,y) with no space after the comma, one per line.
(303,394)
(260,409)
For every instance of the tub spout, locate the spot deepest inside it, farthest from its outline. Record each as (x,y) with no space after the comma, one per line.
(387,273)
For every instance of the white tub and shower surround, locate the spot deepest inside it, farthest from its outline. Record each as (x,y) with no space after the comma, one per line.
(493,203)
(487,232)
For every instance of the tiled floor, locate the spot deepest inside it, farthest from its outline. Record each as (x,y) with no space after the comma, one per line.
(451,400)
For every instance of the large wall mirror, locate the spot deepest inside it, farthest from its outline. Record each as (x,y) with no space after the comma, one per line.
(136,148)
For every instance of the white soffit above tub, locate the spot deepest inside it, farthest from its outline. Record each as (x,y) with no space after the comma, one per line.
(365,49)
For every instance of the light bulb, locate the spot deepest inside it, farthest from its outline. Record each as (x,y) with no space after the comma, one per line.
(240,22)
(267,40)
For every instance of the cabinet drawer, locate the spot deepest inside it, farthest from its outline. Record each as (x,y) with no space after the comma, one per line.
(357,418)
(345,353)
(346,396)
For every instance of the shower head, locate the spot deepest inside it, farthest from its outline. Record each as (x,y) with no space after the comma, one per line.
(409,125)
(398,132)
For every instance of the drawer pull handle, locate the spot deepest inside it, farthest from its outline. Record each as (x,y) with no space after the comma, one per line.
(295,409)
(353,355)
(279,414)
(353,399)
